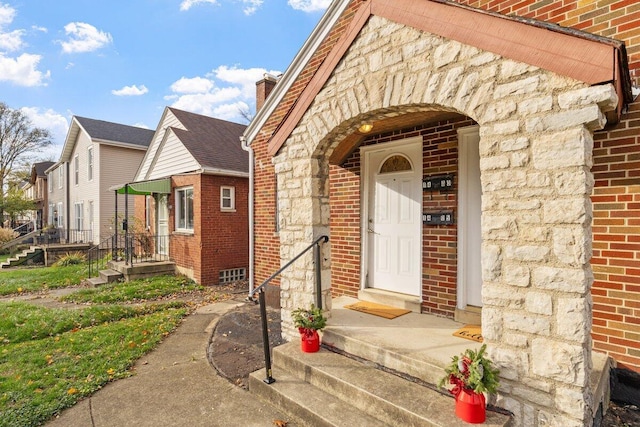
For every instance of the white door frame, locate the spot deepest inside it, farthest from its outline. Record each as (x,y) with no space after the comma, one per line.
(365,168)
(464,134)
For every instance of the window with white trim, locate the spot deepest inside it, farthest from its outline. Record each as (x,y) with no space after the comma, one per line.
(147,212)
(184,209)
(60,176)
(227,199)
(90,164)
(60,216)
(76,169)
(50,181)
(79,220)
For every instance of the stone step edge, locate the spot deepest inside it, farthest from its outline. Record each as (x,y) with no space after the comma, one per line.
(342,375)
(307,404)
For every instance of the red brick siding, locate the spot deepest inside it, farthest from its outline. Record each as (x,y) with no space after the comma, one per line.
(439,256)
(184,248)
(267,243)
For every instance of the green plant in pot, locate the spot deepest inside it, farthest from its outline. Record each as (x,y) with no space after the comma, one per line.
(471,375)
(309,321)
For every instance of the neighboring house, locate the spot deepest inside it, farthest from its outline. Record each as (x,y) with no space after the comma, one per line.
(38,191)
(96,156)
(496,179)
(195,177)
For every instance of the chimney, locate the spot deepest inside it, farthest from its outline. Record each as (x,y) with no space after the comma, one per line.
(264,88)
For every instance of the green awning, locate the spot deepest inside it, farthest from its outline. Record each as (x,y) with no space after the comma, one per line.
(155,186)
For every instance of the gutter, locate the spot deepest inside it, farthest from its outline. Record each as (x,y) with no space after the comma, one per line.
(247,147)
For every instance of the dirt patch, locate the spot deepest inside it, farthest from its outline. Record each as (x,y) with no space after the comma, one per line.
(235,349)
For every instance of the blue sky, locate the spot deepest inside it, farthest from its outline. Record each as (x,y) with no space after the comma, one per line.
(124,61)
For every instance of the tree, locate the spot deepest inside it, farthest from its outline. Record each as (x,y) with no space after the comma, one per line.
(16,204)
(18,139)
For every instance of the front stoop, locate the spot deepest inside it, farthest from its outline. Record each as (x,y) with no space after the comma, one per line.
(328,389)
(22,258)
(105,276)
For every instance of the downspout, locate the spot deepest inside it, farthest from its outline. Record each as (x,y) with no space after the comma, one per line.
(248,148)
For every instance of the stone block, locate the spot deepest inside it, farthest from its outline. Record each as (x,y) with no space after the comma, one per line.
(571,246)
(491,260)
(539,303)
(576,210)
(527,253)
(525,322)
(574,402)
(517,275)
(603,95)
(560,279)
(573,319)
(559,361)
(562,149)
(496,227)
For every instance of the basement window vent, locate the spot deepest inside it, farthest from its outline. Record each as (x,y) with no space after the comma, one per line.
(233,275)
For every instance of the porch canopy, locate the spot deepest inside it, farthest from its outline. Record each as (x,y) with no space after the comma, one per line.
(144,188)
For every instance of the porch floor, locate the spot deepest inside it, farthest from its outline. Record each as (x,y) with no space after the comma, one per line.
(420,345)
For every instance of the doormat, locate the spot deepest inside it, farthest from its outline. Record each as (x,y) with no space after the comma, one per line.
(381,310)
(470,332)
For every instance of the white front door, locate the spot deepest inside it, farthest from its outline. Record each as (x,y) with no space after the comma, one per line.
(469,226)
(162,243)
(394,217)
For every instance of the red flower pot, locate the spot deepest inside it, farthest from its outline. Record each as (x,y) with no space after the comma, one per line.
(310,340)
(471,406)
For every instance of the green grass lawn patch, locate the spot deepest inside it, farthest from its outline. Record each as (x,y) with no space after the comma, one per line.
(136,290)
(73,357)
(37,279)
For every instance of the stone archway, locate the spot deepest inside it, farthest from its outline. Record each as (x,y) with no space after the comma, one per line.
(535,157)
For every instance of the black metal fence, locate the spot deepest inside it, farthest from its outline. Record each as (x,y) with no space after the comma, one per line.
(131,249)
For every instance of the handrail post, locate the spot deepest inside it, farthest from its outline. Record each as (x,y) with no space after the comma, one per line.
(265,338)
(316,254)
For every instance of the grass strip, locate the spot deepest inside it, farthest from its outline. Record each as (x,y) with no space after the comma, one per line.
(37,279)
(135,291)
(39,378)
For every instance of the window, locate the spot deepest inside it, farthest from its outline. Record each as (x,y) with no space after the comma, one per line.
(50,217)
(232,275)
(60,216)
(60,176)
(76,169)
(147,212)
(50,182)
(79,222)
(184,209)
(227,198)
(90,163)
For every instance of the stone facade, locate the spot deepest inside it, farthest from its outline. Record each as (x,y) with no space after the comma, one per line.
(536,144)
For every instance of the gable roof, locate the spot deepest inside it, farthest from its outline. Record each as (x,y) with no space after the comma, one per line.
(577,54)
(39,170)
(101,131)
(214,143)
(187,142)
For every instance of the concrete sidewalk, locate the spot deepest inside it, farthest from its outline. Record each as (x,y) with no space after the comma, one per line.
(174,386)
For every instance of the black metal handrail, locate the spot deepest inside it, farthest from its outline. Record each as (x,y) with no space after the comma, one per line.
(103,252)
(142,247)
(263,307)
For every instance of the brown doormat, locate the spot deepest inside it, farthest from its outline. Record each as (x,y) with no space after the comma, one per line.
(470,332)
(381,310)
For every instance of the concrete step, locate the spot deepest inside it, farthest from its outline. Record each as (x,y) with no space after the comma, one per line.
(382,395)
(21,258)
(307,404)
(110,276)
(430,370)
(96,281)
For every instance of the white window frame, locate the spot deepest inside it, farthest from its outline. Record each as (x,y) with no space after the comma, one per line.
(79,215)
(147,212)
(50,181)
(90,164)
(50,216)
(60,176)
(60,215)
(76,169)
(230,198)
(181,210)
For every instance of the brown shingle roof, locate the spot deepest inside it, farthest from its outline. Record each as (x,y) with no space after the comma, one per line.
(214,143)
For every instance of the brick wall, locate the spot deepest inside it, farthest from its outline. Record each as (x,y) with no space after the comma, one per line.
(225,245)
(185,248)
(439,257)
(267,242)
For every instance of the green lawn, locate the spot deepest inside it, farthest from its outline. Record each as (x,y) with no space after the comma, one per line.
(51,358)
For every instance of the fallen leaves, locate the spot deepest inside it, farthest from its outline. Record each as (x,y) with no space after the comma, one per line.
(280,423)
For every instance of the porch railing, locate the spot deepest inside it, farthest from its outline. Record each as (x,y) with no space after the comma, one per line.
(260,290)
(132,249)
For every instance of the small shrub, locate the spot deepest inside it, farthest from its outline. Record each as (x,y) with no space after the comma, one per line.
(69,258)
(7,235)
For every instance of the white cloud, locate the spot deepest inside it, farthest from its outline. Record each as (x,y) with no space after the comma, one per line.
(222,93)
(22,70)
(9,40)
(187,4)
(7,13)
(56,123)
(132,90)
(251,6)
(309,5)
(193,85)
(84,37)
